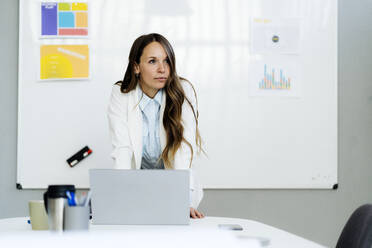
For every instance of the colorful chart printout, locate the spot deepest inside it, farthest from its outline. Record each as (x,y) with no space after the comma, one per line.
(275,77)
(64,19)
(271,80)
(64,62)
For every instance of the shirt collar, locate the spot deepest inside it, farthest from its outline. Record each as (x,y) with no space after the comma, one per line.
(146,100)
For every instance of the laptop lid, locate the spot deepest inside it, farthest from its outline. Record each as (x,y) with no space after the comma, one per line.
(140,197)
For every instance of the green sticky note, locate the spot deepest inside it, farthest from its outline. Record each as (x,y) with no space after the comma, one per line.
(64,6)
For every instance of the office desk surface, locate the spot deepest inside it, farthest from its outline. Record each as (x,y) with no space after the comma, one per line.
(207,227)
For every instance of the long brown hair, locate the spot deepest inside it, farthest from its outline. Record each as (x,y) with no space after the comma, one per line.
(175,97)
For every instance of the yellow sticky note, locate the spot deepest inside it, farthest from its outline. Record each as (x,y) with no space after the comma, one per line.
(80,6)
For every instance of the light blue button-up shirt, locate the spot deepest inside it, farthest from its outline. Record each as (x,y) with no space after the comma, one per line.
(151,148)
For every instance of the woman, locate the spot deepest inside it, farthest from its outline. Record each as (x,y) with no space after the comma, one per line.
(153,114)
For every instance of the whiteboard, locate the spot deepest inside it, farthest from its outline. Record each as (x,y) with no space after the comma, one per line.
(251,140)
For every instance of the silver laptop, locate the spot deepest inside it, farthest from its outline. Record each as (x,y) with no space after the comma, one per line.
(140,197)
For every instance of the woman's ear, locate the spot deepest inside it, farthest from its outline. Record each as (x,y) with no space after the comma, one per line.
(136,68)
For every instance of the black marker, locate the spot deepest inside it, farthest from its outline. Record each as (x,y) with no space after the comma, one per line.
(80,155)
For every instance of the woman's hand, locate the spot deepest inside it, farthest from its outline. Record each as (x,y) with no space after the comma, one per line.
(195,214)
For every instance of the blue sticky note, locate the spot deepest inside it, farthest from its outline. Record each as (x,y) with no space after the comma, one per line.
(66,20)
(49,18)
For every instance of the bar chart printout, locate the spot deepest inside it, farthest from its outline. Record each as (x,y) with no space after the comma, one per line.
(275,77)
(274,81)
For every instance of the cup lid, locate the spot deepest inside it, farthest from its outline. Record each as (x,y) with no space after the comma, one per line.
(57,191)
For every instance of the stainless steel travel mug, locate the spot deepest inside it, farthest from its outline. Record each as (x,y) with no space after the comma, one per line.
(55,200)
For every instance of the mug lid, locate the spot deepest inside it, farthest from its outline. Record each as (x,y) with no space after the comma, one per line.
(57,191)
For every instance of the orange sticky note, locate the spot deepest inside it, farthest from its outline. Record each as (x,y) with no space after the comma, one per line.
(81,19)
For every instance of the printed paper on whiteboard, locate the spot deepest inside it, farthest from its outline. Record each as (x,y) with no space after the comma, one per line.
(64,62)
(275,77)
(278,36)
(64,19)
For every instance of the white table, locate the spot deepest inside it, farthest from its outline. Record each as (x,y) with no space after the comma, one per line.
(200,233)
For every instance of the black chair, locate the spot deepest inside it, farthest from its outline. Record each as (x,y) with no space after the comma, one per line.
(357,232)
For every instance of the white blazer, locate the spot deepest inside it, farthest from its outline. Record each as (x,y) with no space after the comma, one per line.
(125,123)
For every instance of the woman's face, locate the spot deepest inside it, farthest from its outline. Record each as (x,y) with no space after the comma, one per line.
(153,68)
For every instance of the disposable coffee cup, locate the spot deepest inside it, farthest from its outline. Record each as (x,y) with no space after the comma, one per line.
(76,218)
(38,215)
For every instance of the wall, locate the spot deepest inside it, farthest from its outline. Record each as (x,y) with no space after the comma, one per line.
(318,215)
